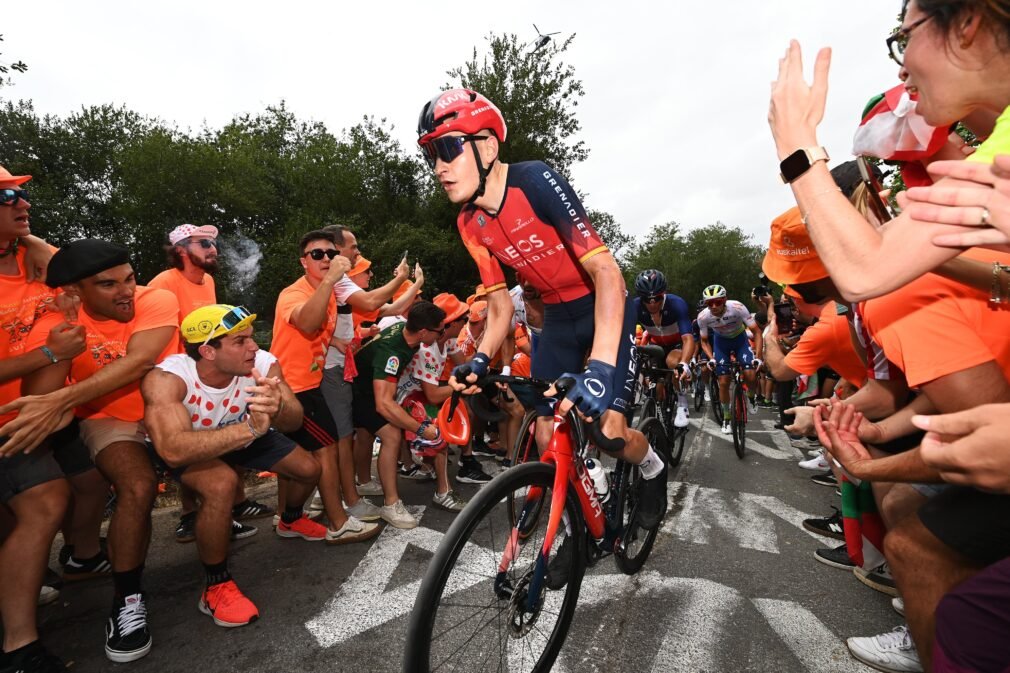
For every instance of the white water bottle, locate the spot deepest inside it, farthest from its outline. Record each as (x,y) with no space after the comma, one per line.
(599,477)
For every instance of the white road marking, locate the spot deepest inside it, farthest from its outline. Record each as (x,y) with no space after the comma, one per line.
(813,643)
(776,453)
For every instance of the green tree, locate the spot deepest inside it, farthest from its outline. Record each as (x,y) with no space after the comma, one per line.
(697,258)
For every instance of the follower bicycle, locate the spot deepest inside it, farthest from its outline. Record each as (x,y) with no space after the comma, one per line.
(501,590)
(652,371)
(738,408)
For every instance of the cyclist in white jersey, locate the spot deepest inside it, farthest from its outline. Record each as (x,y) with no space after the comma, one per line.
(730,323)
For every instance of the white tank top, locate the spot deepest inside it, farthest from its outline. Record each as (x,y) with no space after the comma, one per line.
(208,407)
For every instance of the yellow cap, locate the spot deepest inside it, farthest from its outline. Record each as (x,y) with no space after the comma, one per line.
(216,320)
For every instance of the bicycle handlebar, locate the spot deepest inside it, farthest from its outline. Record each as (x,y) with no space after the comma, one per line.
(482,408)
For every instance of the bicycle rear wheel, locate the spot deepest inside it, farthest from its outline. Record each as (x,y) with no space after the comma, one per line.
(739,419)
(635,543)
(471,616)
(676,442)
(525,449)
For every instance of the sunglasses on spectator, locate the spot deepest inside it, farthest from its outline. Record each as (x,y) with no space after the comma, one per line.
(446,148)
(10,196)
(207,243)
(897,42)
(653,299)
(229,321)
(440,331)
(715,302)
(319,253)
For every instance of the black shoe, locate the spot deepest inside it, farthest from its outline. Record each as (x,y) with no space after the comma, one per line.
(779,426)
(480,448)
(240,531)
(826,479)
(652,500)
(836,558)
(32,658)
(557,568)
(470,472)
(830,526)
(126,635)
(250,509)
(76,570)
(186,530)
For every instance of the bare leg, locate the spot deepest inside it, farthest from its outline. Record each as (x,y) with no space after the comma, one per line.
(345,460)
(83,523)
(363,455)
(329,486)
(214,483)
(38,513)
(389,449)
(128,467)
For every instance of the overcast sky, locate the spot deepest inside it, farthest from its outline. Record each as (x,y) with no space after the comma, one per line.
(676,93)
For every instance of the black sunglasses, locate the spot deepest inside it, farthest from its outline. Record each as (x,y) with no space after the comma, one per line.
(207,243)
(318,254)
(11,196)
(446,148)
(228,321)
(897,42)
(653,299)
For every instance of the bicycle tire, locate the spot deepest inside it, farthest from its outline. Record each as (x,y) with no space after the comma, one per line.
(716,404)
(699,394)
(633,536)
(739,419)
(525,449)
(676,444)
(434,615)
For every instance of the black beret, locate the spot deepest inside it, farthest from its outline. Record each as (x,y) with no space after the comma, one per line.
(82,259)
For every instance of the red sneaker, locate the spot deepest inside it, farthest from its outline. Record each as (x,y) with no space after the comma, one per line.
(304,527)
(227,605)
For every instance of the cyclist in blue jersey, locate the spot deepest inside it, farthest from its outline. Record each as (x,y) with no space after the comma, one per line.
(729,322)
(666,321)
(527,216)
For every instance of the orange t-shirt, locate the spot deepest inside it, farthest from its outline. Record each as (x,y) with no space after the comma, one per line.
(21,306)
(828,343)
(107,341)
(301,355)
(191,296)
(933,327)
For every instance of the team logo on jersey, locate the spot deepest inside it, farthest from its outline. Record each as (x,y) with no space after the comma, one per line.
(392,364)
(487,240)
(481,221)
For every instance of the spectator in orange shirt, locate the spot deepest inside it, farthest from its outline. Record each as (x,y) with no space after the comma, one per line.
(128,330)
(192,254)
(31,485)
(304,321)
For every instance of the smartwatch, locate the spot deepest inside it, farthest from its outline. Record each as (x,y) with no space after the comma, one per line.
(800,161)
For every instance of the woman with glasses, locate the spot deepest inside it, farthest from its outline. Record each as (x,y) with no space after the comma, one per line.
(956,55)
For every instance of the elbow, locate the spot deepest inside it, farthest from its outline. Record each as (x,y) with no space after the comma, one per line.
(858,289)
(170,454)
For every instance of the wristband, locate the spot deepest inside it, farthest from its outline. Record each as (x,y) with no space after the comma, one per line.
(506,371)
(49,354)
(248,423)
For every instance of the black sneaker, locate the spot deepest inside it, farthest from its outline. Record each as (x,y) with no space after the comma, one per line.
(557,568)
(250,509)
(480,448)
(652,500)
(836,558)
(75,570)
(240,531)
(32,658)
(470,472)
(826,479)
(830,526)
(126,635)
(186,530)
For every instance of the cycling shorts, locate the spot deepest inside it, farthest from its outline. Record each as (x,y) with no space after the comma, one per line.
(739,346)
(566,340)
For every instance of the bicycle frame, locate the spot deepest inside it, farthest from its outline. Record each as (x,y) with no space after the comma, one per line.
(569,469)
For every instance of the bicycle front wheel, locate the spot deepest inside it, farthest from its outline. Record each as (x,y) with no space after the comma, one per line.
(716,406)
(636,541)
(473,611)
(739,419)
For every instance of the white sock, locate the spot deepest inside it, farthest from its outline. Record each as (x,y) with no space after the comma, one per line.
(651,465)
(682,400)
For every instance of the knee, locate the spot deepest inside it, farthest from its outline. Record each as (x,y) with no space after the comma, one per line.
(217,486)
(140,490)
(305,470)
(47,505)
(900,545)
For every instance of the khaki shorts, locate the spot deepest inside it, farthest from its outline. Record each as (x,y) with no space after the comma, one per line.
(99,433)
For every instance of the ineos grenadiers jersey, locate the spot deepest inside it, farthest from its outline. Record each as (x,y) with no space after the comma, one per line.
(540,229)
(674,321)
(730,324)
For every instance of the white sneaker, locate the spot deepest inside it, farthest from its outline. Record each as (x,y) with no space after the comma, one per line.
(708,396)
(47,595)
(818,462)
(353,530)
(396,515)
(681,420)
(370,487)
(899,605)
(726,429)
(364,510)
(891,651)
(450,501)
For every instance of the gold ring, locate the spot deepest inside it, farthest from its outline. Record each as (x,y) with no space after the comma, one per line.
(985,217)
